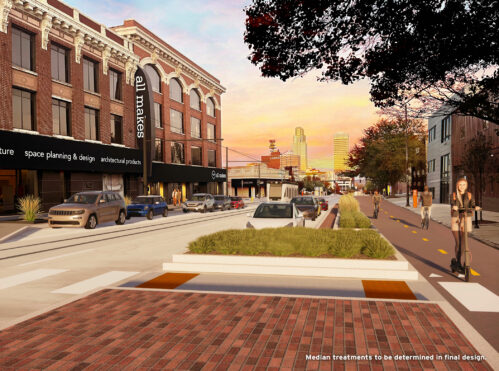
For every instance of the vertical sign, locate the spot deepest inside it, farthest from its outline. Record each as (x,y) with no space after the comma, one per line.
(144,121)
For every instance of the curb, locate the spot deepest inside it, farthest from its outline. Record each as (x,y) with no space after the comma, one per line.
(10,235)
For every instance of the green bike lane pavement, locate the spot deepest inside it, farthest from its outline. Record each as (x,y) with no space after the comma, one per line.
(430,252)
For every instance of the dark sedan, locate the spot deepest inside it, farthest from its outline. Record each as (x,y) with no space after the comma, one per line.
(222,202)
(307,205)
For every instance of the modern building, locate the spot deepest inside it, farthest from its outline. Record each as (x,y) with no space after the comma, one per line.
(340,151)
(67,108)
(300,147)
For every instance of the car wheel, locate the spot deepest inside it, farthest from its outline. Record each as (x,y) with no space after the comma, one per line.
(149,214)
(128,217)
(91,222)
(184,210)
(204,209)
(165,212)
(121,218)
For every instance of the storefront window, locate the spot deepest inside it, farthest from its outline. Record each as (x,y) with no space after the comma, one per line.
(196,156)
(158,150)
(195,127)
(116,129)
(91,124)
(60,117)
(212,158)
(23,109)
(176,121)
(178,153)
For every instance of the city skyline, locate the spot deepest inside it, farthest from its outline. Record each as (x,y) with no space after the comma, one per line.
(272,108)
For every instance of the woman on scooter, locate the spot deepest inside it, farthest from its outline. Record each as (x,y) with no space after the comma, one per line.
(461,199)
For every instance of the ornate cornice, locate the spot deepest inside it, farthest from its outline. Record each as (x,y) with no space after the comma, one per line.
(83,35)
(176,61)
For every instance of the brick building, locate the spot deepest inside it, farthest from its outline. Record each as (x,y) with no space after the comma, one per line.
(67,108)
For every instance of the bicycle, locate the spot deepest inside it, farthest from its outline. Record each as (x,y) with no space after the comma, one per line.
(463,214)
(376,211)
(425,222)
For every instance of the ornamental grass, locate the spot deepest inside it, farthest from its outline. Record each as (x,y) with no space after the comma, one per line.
(305,242)
(348,203)
(30,207)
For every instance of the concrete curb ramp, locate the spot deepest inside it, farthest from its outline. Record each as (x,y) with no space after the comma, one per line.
(286,266)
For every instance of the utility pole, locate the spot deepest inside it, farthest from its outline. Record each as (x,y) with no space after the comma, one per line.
(406,156)
(227,169)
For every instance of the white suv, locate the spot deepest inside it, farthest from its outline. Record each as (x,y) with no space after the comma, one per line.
(199,202)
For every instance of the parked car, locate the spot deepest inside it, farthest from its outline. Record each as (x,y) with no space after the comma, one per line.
(307,205)
(87,209)
(222,202)
(147,206)
(199,202)
(276,215)
(237,203)
(324,204)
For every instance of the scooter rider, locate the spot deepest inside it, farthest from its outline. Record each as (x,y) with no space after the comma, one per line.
(461,199)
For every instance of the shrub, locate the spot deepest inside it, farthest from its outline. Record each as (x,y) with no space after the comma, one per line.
(30,206)
(347,220)
(361,221)
(348,203)
(348,244)
(374,246)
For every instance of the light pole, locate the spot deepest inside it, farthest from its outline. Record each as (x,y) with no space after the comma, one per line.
(406,155)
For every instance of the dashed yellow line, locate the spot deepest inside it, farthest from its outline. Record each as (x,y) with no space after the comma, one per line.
(425,239)
(443,251)
(398,221)
(406,226)
(391,216)
(473,272)
(414,232)
(386,212)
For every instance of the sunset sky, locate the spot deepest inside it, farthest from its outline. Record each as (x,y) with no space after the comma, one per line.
(254,109)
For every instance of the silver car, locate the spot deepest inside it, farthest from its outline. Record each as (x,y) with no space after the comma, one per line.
(199,202)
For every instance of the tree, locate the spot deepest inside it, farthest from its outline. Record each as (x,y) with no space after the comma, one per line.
(437,51)
(476,158)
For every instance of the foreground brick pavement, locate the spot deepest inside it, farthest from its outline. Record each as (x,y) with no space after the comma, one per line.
(143,329)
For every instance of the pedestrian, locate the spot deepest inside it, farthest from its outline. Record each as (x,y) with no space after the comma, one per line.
(174,197)
(179,197)
(461,199)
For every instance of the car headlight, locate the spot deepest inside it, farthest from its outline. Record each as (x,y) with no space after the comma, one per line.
(289,225)
(249,225)
(79,212)
(146,207)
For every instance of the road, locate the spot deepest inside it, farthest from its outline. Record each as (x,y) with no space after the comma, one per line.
(430,252)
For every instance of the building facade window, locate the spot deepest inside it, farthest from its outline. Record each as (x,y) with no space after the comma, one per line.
(431,166)
(195,127)
(211,132)
(61,117)
(22,49)
(195,100)
(116,129)
(212,158)
(196,156)
(210,107)
(178,153)
(115,85)
(445,166)
(90,75)
(59,63)
(154,77)
(91,124)
(23,109)
(158,150)
(158,117)
(446,129)
(176,91)
(432,134)
(176,121)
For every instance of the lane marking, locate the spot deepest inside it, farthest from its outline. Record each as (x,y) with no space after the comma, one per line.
(55,257)
(398,221)
(474,272)
(434,275)
(386,212)
(102,280)
(425,239)
(26,277)
(443,251)
(473,296)
(414,232)
(406,226)
(391,216)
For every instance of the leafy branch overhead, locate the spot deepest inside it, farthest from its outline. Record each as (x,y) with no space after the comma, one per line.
(437,51)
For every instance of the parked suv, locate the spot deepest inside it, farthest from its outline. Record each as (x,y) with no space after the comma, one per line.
(87,209)
(222,202)
(147,206)
(199,202)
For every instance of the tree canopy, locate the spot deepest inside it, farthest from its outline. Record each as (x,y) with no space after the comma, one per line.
(437,51)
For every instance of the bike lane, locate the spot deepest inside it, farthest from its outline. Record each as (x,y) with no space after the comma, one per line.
(430,252)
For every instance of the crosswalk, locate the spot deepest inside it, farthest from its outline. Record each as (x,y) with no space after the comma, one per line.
(88,284)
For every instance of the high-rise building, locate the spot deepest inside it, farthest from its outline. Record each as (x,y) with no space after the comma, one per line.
(340,151)
(300,147)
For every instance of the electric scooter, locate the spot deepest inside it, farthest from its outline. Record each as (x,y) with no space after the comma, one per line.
(463,214)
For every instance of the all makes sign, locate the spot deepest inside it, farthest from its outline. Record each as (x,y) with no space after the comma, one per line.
(144,116)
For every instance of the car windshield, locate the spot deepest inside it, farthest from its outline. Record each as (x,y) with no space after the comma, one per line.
(143,200)
(234,198)
(81,198)
(198,198)
(219,198)
(274,211)
(302,201)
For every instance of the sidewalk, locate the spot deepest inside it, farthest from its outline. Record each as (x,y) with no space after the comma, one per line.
(488,233)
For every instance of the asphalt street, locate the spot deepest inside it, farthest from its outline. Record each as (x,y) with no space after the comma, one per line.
(430,252)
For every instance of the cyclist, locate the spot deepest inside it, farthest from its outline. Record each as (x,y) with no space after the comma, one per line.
(426,202)
(461,200)
(376,203)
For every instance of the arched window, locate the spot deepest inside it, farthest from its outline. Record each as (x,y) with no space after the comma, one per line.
(176,91)
(210,107)
(195,100)
(154,77)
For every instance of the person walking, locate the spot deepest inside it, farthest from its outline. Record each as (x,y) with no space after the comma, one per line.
(461,199)
(174,197)
(179,197)
(376,203)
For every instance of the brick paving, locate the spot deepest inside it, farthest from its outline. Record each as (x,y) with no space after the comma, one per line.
(143,329)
